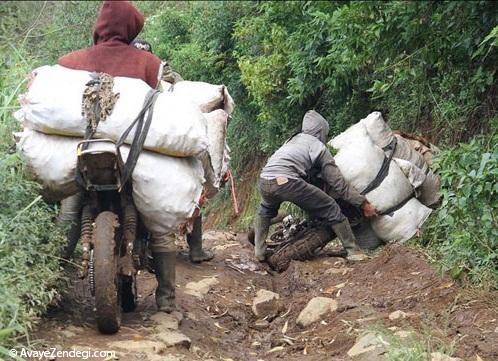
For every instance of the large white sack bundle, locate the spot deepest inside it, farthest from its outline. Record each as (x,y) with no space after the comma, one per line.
(207,97)
(360,160)
(53,106)
(165,189)
(51,161)
(402,224)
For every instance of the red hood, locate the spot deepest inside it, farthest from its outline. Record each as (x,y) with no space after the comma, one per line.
(117,21)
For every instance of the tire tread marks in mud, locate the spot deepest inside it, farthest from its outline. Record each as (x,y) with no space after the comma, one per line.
(301,249)
(108,309)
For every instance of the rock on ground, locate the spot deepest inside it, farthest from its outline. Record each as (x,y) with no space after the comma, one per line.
(173,338)
(367,345)
(396,315)
(145,346)
(201,288)
(167,321)
(315,309)
(266,304)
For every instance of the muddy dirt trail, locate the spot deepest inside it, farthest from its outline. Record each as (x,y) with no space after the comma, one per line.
(395,289)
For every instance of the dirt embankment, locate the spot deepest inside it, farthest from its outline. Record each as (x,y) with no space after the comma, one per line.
(219,214)
(221,324)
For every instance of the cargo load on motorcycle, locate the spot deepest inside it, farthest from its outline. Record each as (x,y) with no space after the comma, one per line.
(184,150)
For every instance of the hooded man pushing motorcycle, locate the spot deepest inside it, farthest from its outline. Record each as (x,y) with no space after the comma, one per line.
(287,175)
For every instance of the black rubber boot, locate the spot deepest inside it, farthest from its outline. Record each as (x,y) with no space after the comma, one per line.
(194,240)
(164,266)
(345,234)
(261,228)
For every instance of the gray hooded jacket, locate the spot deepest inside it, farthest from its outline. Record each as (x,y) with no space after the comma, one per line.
(307,151)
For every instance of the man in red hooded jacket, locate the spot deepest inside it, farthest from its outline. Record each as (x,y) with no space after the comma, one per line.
(118,23)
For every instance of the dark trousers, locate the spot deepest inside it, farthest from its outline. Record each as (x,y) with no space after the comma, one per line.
(308,197)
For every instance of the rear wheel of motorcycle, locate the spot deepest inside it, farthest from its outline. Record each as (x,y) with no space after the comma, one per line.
(107,303)
(301,249)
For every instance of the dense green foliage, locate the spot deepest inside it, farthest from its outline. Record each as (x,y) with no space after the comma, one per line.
(426,65)
(29,239)
(464,232)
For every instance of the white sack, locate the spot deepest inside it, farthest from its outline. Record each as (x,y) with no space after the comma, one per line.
(426,185)
(51,161)
(53,106)
(429,191)
(382,136)
(402,224)
(414,174)
(359,161)
(207,97)
(378,129)
(217,122)
(165,189)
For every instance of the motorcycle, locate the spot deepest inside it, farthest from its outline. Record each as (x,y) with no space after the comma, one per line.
(113,240)
(296,239)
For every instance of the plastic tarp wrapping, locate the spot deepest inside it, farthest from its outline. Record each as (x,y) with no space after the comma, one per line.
(207,97)
(402,224)
(359,160)
(53,106)
(165,189)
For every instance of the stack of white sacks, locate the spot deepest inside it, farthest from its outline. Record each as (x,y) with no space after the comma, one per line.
(185,150)
(409,183)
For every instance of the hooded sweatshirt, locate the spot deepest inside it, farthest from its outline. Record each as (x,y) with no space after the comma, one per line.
(118,23)
(306,152)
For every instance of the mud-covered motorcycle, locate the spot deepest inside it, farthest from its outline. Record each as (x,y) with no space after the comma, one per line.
(112,237)
(296,239)
(113,241)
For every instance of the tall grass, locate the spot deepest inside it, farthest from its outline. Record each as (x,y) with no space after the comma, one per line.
(29,239)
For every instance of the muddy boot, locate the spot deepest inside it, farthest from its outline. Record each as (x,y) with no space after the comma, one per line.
(261,228)
(164,266)
(194,240)
(345,234)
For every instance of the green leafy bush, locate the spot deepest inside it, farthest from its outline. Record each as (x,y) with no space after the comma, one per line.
(464,230)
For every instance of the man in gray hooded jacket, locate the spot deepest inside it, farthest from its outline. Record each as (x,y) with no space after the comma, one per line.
(285,178)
